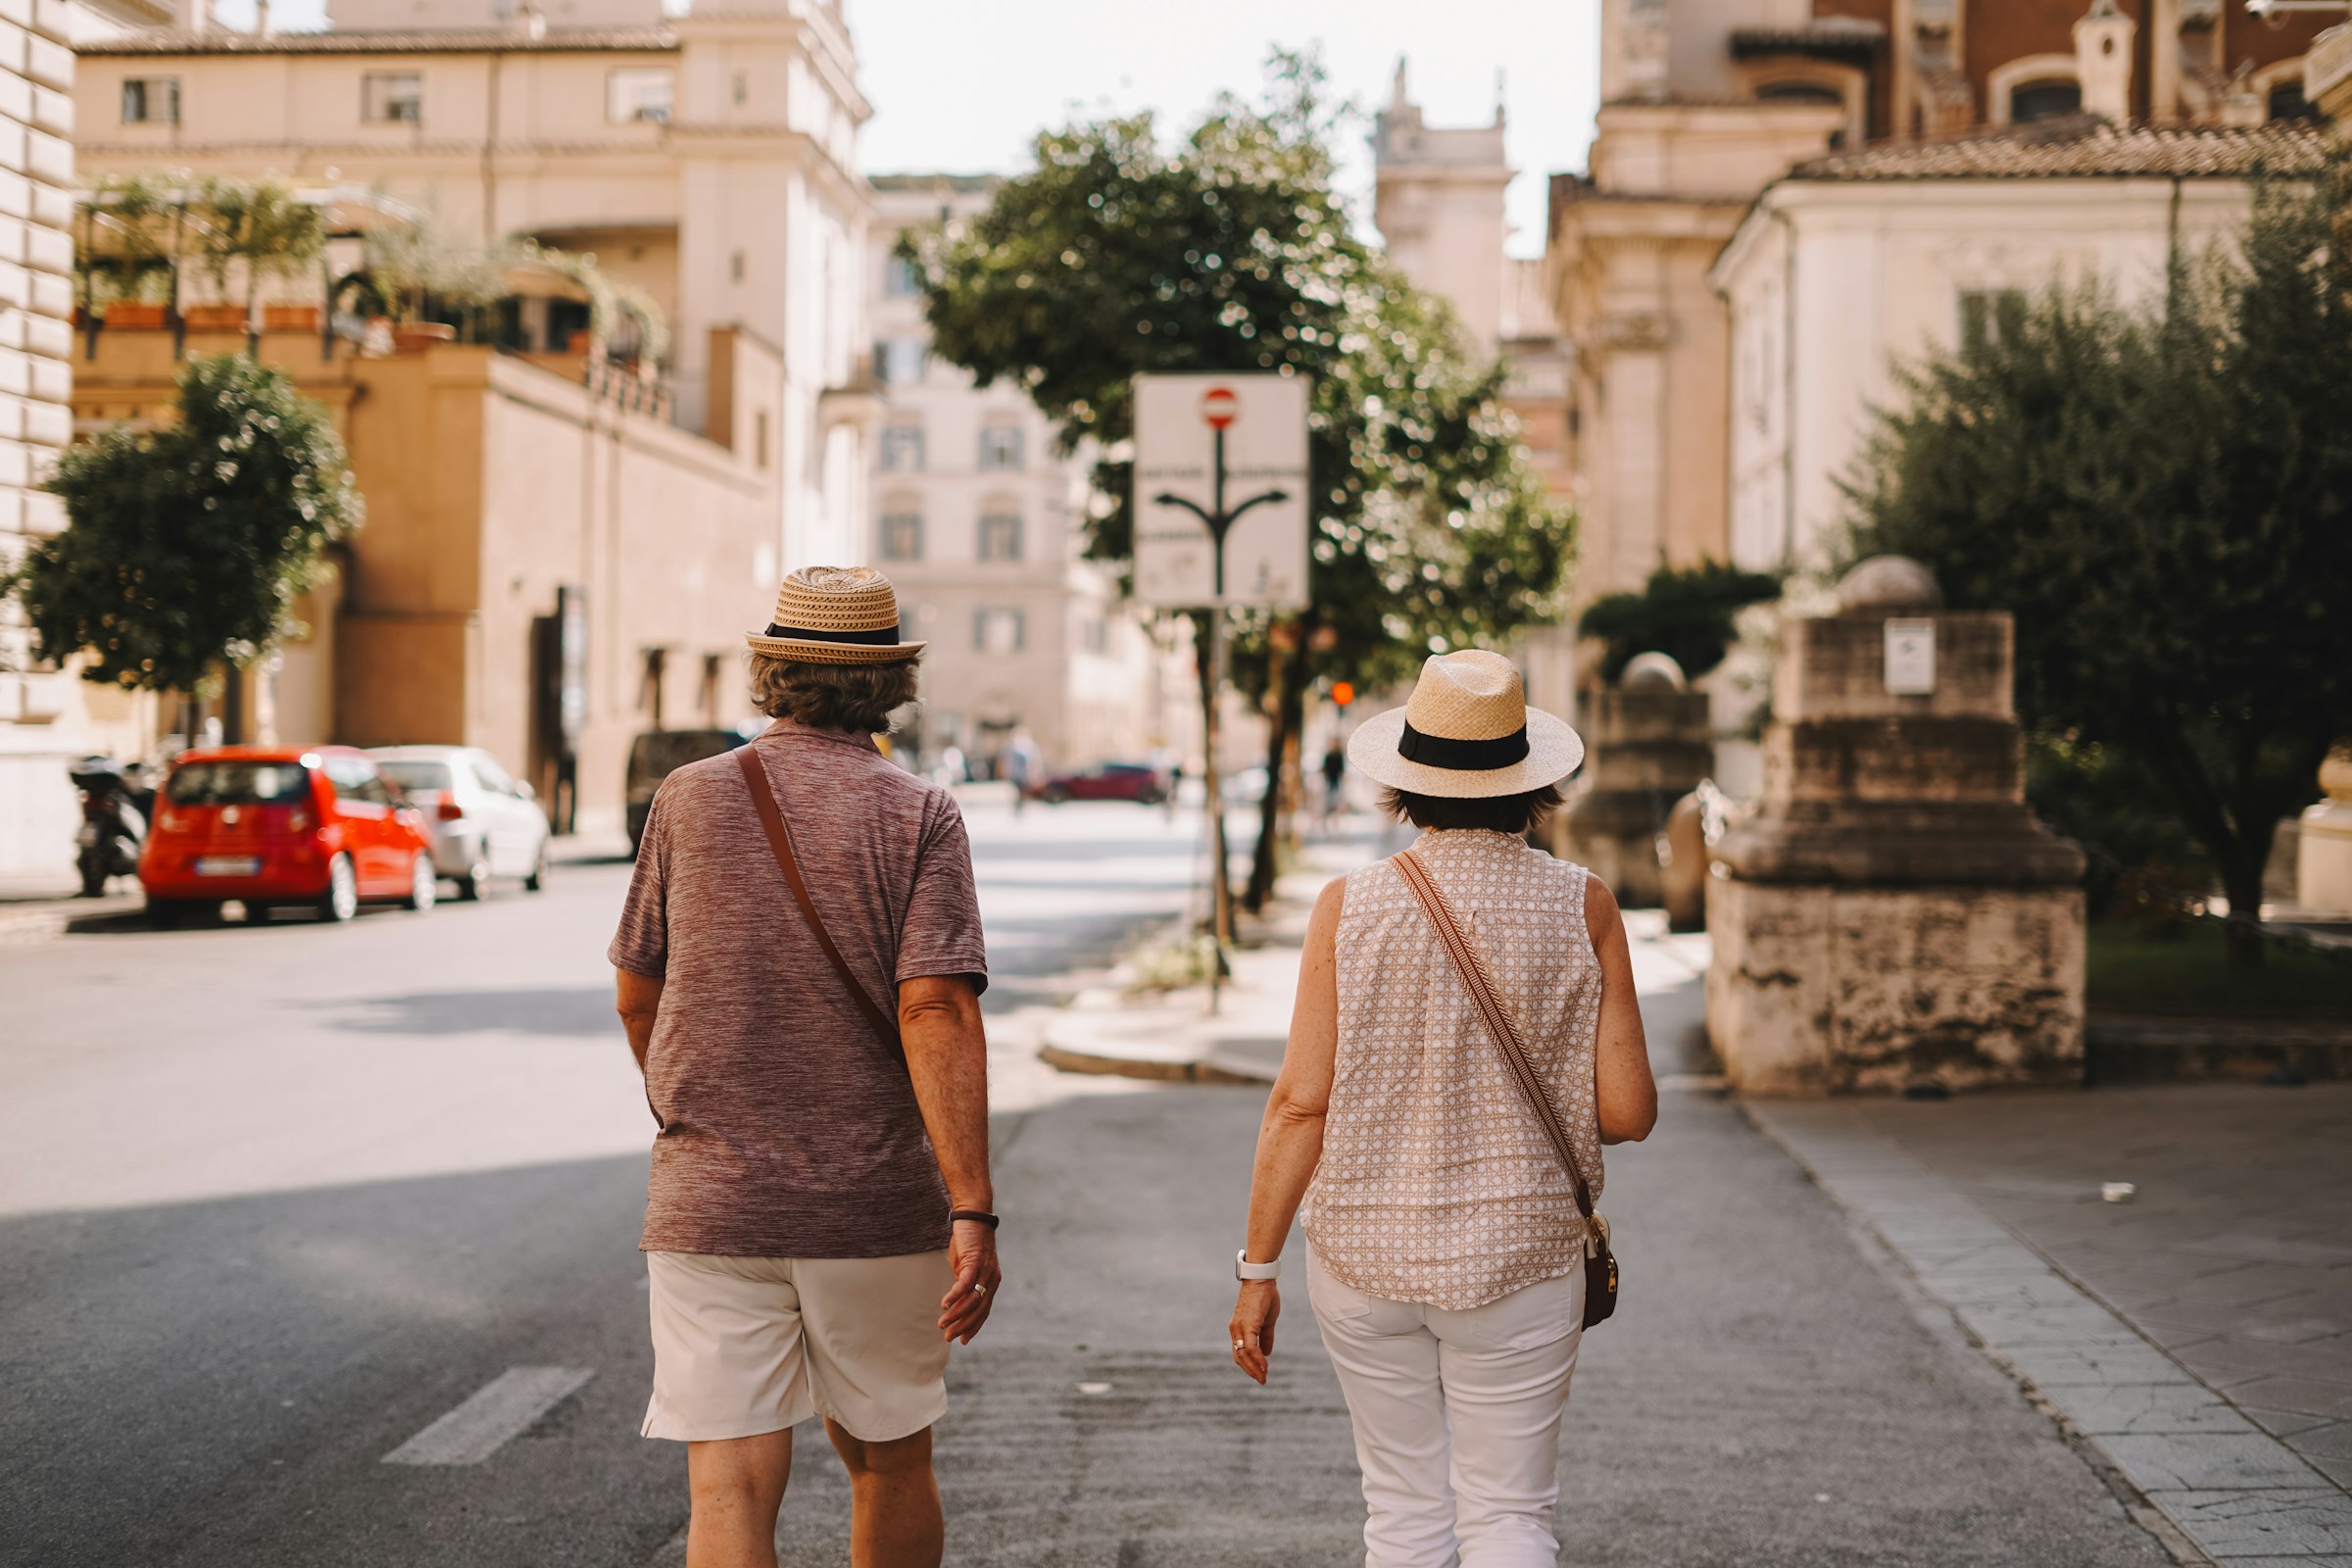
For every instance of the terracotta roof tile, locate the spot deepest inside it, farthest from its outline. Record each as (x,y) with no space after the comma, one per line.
(2083,146)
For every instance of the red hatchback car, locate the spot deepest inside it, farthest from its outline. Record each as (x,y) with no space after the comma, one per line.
(304,827)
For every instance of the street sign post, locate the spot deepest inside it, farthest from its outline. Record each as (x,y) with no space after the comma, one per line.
(1220,509)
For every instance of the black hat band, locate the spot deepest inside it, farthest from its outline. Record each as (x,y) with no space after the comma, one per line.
(879,637)
(1464,757)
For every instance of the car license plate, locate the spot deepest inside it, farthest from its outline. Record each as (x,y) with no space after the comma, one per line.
(227,865)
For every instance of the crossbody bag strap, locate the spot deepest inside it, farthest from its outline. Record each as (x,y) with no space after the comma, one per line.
(779,838)
(1473,971)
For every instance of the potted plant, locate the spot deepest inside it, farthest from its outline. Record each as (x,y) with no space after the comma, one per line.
(253,232)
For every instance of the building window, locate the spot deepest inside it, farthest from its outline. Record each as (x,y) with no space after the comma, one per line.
(743,85)
(640,92)
(760,438)
(1000,446)
(2288,103)
(1001,536)
(900,279)
(392,96)
(900,360)
(902,536)
(903,449)
(150,101)
(2045,100)
(998,631)
(1990,316)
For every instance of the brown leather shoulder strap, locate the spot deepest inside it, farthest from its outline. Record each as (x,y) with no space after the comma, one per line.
(779,838)
(1472,967)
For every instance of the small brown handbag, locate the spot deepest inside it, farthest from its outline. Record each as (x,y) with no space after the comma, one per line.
(1600,1264)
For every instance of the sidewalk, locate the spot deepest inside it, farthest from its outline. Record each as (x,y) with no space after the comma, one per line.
(2194,1341)
(34,908)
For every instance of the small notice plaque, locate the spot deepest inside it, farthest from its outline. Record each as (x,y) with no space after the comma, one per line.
(1910,657)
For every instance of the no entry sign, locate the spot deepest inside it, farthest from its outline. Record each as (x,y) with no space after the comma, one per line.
(1220,454)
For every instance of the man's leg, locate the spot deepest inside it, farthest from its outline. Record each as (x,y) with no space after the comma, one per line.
(738,1485)
(895,1520)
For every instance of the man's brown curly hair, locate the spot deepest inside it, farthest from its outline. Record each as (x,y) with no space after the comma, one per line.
(857,698)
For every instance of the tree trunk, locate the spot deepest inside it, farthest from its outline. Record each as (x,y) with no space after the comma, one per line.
(1290,708)
(1220,888)
(2241,879)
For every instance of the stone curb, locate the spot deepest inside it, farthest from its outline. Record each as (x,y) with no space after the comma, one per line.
(2228,1488)
(25,924)
(2136,1050)
(1185,1072)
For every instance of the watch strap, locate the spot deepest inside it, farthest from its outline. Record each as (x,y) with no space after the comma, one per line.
(1244,1270)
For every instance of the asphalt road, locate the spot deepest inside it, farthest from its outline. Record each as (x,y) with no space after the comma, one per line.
(275,1202)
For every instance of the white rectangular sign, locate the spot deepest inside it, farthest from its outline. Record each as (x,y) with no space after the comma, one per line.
(1193,432)
(1910,657)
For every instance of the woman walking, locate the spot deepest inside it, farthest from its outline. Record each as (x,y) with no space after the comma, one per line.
(1447,1244)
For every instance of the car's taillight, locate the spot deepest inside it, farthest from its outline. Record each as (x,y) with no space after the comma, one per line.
(449,811)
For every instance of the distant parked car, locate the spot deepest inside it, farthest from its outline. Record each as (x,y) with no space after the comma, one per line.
(657,753)
(1104,781)
(275,827)
(482,822)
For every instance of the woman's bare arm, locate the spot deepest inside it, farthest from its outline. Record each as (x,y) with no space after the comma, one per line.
(1290,1140)
(1625,1093)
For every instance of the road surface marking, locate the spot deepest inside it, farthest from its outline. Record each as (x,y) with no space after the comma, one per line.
(499,1412)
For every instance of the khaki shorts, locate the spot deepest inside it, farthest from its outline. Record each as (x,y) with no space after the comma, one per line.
(749,1344)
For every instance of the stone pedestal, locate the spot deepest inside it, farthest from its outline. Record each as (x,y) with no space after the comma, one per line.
(1648,740)
(1892,915)
(2324,848)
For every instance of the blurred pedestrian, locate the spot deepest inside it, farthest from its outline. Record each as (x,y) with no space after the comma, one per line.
(952,767)
(1335,776)
(1466,1040)
(1023,763)
(799,967)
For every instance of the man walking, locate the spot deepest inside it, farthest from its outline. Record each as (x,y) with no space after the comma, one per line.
(800,966)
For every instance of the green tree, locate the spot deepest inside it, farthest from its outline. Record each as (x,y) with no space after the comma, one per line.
(187,546)
(1686,612)
(1229,251)
(253,232)
(2163,498)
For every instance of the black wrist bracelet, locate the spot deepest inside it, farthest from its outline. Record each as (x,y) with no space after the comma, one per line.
(982,1215)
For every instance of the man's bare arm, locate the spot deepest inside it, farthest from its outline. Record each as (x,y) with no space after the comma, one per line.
(946,1058)
(639,1000)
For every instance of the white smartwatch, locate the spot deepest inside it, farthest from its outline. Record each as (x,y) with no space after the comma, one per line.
(1244,1270)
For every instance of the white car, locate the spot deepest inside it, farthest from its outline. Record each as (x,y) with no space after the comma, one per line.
(482,822)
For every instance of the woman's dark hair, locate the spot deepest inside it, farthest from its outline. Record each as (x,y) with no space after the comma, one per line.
(1501,814)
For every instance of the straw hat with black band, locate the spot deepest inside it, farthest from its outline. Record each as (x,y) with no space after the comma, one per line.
(835,615)
(1468,734)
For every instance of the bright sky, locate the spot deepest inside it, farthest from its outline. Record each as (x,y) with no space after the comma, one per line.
(962,85)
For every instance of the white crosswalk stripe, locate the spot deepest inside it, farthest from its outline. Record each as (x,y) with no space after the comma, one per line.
(497,1412)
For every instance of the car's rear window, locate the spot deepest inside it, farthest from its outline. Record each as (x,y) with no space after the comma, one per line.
(416,776)
(238,784)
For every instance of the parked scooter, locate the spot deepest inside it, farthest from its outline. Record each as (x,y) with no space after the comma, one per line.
(116,800)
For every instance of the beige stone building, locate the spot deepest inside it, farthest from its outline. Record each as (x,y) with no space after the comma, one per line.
(1438,201)
(709,159)
(976,519)
(1854,263)
(1706,102)
(47,717)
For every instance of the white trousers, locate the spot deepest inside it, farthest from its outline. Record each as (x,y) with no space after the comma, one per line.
(1457,1419)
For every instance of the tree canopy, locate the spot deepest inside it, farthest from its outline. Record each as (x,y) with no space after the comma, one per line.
(1686,612)
(2162,497)
(1229,251)
(186,546)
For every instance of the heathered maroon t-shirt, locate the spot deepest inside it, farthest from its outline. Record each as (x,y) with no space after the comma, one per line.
(788,1130)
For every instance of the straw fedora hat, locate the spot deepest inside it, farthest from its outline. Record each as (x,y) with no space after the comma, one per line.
(1468,734)
(835,615)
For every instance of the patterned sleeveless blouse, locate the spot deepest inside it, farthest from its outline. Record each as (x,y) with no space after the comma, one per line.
(1438,1184)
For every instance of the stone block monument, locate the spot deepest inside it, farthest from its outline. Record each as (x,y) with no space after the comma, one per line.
(1891,915)
(2324,848)
(1648,745)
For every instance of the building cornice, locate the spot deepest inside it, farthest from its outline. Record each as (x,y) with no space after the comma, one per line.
(168,44)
